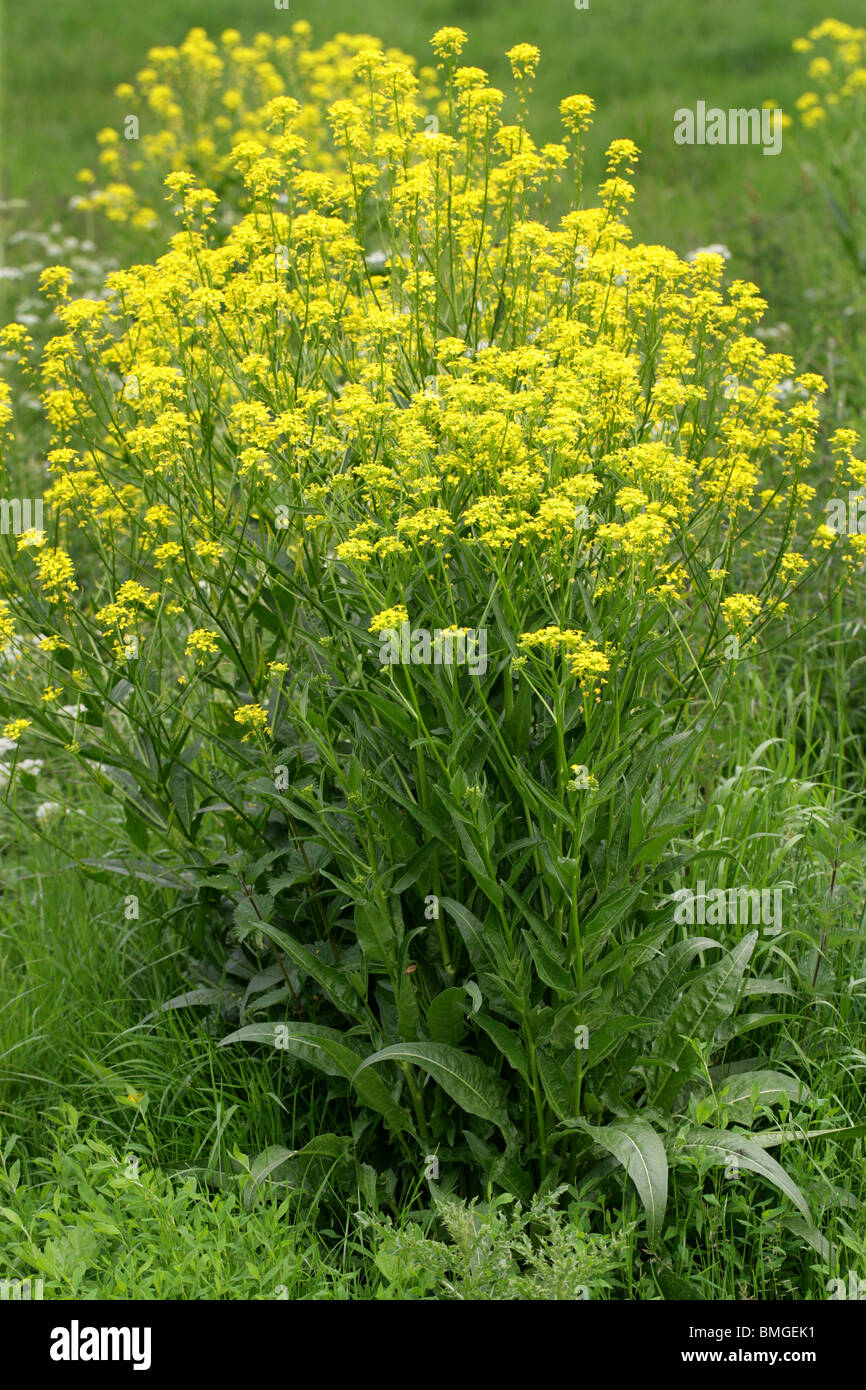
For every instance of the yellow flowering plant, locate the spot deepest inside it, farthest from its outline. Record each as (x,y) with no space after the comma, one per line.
(424,533)
(194,104)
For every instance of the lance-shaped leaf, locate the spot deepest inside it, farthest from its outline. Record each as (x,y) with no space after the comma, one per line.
(746,1091)
(325,1049)
(707,1003)
(339,986)
(719,1146)
(636,1146)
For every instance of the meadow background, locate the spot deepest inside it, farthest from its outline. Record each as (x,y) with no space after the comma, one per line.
(83,1076)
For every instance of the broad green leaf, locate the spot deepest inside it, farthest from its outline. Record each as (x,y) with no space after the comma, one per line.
(507,1042)
(293,1164)
(772,1138)
(710,1000)
(650,994)
(812,1236)
(747,1091)
(676,1288)
(557,1087)
(466,1080)
(326,1049)
(476,941)
(182,791)
(548,970)
(206,995)
(337,984)
(722,1147)
(303,1040)
(446,1017)
(636,1146)
(605,1039)
(377,936)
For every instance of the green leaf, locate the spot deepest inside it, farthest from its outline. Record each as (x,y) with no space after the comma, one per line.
(609,911)
(326,1049)
(303,1040)
(746,1091)
(335,981)
(774,1137)
(205,995)
(475,939)
(674,1288)
(605,1039)
(548,970)
(182,791)
(294,1163)
(636,1146)
(812,1236)
(507,1042)
(650,993)
(377,936)
(721,1147)
(557,1088)
(466,1080)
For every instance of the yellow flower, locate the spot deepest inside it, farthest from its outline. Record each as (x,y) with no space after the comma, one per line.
(523,58)
(201,644)
(56,279)
(577,112)
(389,618)
(7,626)
(584,657)
(792,565)
(448,42)
(741,610)
(56,574)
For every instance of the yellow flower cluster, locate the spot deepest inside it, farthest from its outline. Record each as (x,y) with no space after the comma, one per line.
(201,644)
(254,718)
(837,67)
(196,108)
(386,369)
(584,658)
